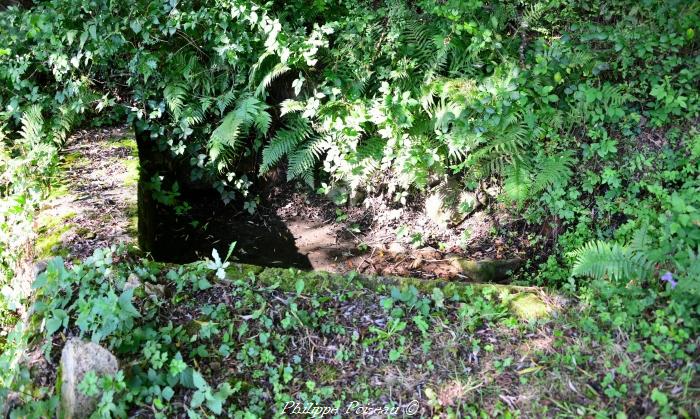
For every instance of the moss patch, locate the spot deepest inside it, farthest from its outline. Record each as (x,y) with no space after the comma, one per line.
(50,234)
(125,142)
(50,242)
(325,372)
(73,159)
(130,164)
(133,213)
(58,190)
(132,171)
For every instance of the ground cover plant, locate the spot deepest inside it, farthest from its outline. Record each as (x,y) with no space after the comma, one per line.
(578,119)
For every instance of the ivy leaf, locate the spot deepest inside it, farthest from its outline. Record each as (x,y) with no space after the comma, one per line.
(135,26)
(299,286)
(198,381)
(167,393)
(54,323)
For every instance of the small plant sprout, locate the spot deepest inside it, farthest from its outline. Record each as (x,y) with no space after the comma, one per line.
(217,264)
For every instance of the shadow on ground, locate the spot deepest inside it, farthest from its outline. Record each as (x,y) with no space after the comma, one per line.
(262,239)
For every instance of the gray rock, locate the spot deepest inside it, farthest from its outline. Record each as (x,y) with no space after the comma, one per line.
(397,247)
(77,358)
(443,204)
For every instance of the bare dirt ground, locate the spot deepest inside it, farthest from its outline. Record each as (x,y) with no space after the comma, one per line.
(375,238)
(93,204)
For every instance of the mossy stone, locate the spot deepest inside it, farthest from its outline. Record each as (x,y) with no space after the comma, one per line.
(286,279)
(487,270)
(528,306)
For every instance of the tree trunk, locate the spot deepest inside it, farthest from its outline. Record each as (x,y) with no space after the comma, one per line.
(147,210)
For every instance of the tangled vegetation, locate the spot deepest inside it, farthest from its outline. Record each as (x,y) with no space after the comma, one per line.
(579,118)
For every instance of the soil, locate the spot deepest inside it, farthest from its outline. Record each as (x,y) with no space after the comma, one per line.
(93,203)
(293,227)
(377,238)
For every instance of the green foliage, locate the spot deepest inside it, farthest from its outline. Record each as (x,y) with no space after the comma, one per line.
(98,310)
(599,259)
(296,141)
(579,117)
(225,140)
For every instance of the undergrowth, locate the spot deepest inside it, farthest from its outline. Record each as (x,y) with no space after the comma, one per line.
(577,118)
(210,339)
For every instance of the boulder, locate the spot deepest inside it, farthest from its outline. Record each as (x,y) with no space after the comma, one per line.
(77,359)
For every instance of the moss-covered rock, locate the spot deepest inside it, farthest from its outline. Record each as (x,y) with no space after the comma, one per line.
(529,306)
(526,304)
(50,234)
(487,270)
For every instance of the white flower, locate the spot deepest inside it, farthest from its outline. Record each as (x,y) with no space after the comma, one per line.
(217,265)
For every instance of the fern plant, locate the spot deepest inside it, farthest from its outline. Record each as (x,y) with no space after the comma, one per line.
(227,138)
(523,182)
(285,142)
(300,144)
(600,259)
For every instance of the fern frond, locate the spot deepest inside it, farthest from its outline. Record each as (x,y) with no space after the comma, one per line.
(284,142)
(553,170)
(258,65)
(61,124)
(32,125)
(273,74)
(262,122)
(224,101)
(372,147)
(304,158)
(225,139)
(290,106)
(599,259)
(517,182)
(174,95)
(532,15)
